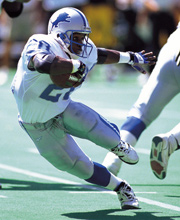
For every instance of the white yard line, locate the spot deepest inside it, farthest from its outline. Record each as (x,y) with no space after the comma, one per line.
(4,197)
(45,177)
(60,180)
(141,199)
(160,204)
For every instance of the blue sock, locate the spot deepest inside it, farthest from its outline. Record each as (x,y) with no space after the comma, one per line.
(101,175)
(134,125)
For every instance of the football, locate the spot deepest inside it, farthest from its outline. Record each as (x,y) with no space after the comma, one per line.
(67,80)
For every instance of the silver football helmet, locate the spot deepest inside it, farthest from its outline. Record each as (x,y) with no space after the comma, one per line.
(64,23)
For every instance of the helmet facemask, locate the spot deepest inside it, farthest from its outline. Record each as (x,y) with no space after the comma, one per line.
(67,38)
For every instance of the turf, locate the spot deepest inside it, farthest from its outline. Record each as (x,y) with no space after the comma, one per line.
(32,189)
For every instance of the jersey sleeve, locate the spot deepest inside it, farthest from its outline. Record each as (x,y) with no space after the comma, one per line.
(36,44)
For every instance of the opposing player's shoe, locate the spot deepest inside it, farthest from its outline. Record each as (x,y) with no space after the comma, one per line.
(127,197)
(125,152)
(163,145)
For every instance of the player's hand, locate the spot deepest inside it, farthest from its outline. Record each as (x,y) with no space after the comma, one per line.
(80,73)
(141,58)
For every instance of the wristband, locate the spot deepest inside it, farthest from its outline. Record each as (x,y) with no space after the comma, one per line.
(124,57)
(76,64)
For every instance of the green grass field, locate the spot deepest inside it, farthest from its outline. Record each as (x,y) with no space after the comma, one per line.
(32,189)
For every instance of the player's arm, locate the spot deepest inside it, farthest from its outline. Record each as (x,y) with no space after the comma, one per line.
(106,56)
(55,65)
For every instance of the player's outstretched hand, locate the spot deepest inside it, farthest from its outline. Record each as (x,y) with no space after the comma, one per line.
(141,58)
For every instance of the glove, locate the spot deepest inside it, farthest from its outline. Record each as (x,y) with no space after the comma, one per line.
(137,58)
(141,58)
(80,73)
(139,68)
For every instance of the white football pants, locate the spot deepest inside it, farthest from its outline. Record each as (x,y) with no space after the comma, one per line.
(54,141)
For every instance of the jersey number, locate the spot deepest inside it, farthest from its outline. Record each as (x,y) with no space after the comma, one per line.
(54,98)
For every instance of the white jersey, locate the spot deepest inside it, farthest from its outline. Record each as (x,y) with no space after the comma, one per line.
(37,98)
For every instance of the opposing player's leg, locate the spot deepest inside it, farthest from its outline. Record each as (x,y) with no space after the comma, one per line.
(161,87)
(163,145)
(81,121)
(62,151)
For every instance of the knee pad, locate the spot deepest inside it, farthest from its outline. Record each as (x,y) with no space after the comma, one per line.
(79,119)
(82,169)
(55,160)
(80,166)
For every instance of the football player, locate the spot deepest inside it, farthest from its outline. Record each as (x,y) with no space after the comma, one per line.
(162,86)
(12,7)
(50,69)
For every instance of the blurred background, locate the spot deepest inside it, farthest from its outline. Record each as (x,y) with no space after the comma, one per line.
(125,25)
(34,190)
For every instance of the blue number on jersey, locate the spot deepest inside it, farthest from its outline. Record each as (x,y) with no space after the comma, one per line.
(44,45)
(34,46)
(46,93)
